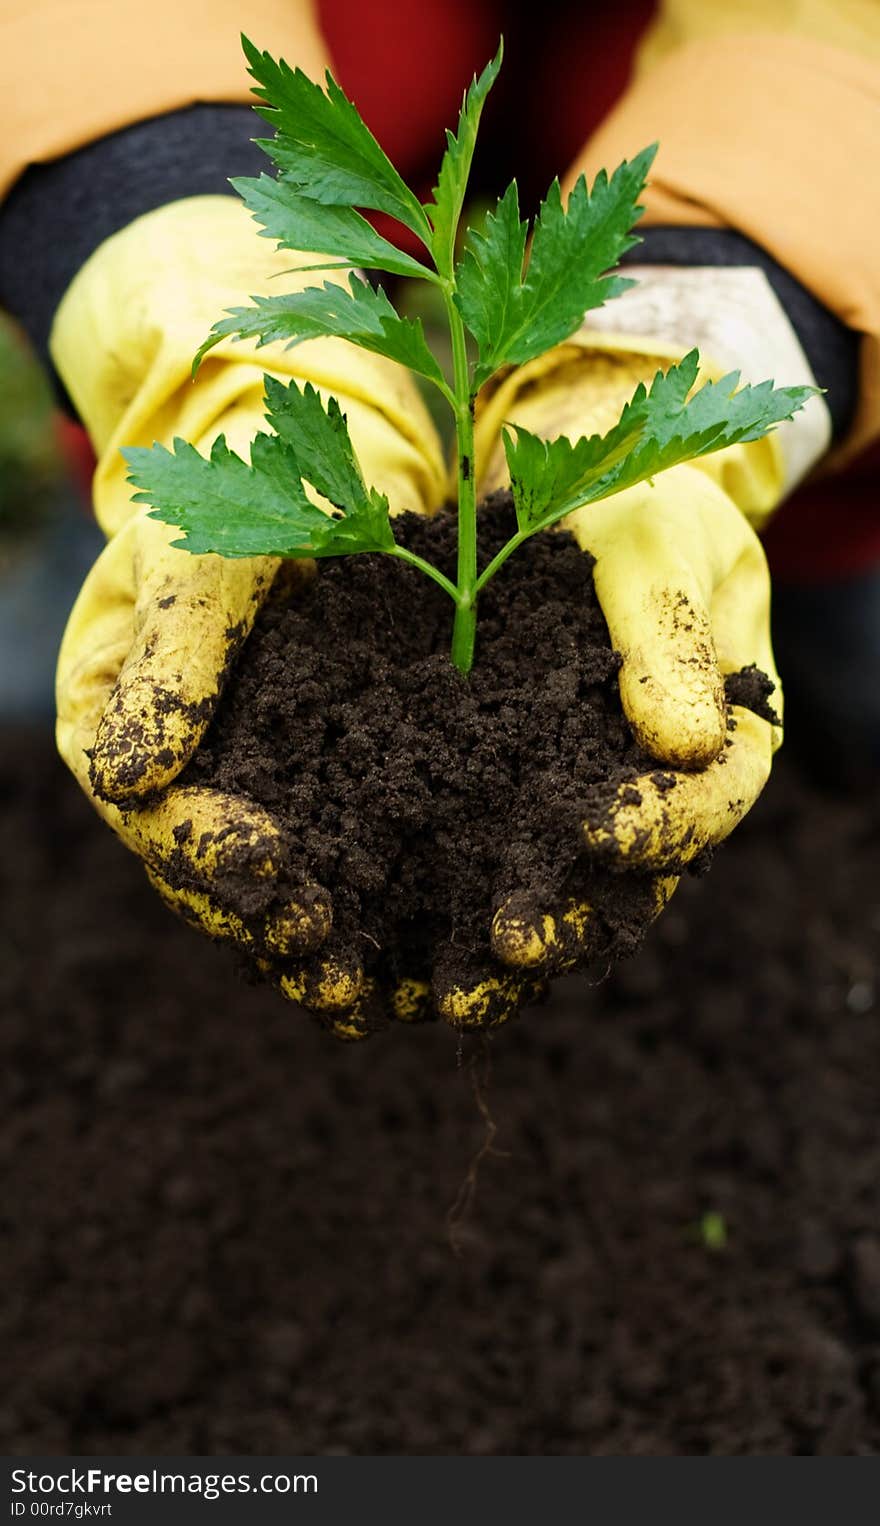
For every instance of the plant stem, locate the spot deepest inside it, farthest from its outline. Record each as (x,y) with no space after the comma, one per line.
(464,633)
(498,561)
(423,566)
(465,627)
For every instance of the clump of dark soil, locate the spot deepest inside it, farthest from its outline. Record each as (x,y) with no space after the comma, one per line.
(225,1235)
(419,798)
(752,689)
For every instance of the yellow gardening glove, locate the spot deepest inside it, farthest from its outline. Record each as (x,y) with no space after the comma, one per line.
(683,583)
(155,630)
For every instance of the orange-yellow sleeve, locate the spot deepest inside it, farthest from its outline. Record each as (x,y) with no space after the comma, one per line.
(768,117)
(74,70)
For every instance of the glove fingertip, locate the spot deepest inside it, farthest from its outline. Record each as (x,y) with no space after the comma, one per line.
(147,734)
(522,935)
(468,995)
(330,982)
(682,723)
(302,924)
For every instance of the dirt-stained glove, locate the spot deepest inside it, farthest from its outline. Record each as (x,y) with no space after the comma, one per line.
(155,630)
(683,583)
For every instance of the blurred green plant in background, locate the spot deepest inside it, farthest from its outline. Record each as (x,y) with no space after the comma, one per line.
(31,465)
(48,538)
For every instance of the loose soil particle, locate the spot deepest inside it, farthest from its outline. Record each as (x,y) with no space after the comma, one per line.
(419,798)
(226,1234)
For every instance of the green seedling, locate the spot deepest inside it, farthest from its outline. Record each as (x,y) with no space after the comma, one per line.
(502,309)
(712,1230)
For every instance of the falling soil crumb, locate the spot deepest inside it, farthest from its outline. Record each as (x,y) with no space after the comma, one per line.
(225,1235)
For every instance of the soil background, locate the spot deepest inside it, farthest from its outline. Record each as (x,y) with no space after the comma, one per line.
(224,1232)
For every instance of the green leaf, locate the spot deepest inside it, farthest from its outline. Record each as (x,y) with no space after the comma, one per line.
(573,247)
(657,429)
(366,528)
(295,221)
(222,504)
(445,210)
(489,289)
(318,438)
(323,145)
(358,313)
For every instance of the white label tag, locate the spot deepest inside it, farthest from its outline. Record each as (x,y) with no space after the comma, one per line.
(733,316)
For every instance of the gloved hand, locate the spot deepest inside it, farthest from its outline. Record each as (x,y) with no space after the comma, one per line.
(155,630)
(683,583)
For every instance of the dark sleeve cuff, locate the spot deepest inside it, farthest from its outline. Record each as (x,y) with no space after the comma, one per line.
(57,214)
(831,348)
